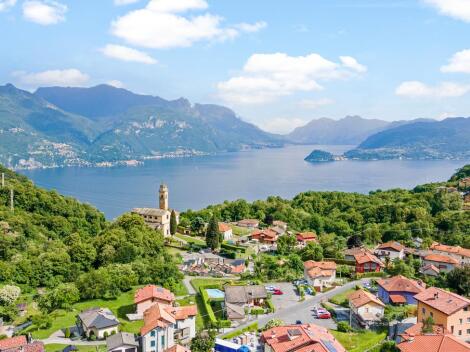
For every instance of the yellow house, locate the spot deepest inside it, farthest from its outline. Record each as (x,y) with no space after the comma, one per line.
(447,309)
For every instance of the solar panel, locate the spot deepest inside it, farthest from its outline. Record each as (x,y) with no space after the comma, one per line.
(329,346)
(294,332)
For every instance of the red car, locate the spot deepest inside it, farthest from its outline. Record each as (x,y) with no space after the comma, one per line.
(277,292)
(323,314)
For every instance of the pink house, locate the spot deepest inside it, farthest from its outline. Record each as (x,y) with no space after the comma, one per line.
(149,295)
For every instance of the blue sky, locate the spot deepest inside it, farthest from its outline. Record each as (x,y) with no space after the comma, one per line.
(277,63)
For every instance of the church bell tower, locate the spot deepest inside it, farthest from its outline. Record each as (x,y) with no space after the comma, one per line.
(163,197)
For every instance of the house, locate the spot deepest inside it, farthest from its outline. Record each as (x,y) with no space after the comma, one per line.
(13,343)
(399,290)
(278,230)
(366,263)
(351,252)
(122,342)
(417,242)
(268,236)
(237,266)
(439,340)
(366,308)
(149,295)
(280,224)
(443,262)
(248,223)
(466,197)
(226,231)
(397,328)
(302,338)
(320,274)
(464,183)
(429,270)
(99,322)
(239,297)
(392,250)
(447,309)
(158,218)
(304,237)
(164,325)
(462,255)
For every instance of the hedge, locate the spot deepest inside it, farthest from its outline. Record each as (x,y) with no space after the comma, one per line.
(373,274)
(341,261)
(251,327)
(207,304)
(232,247)
(270,305)
(256,311)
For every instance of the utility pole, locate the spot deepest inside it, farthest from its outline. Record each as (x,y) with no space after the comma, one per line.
(12,206)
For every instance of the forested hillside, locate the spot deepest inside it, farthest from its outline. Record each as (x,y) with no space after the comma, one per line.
(56,242)
(395,214)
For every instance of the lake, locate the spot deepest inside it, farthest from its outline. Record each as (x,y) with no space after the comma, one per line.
(197,182)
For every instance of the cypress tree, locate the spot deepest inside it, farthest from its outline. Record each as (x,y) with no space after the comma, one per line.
(213,234)
(173,224)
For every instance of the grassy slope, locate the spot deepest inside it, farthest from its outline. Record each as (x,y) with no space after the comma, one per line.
(358,342)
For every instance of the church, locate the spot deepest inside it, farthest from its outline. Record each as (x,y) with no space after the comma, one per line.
(158,218)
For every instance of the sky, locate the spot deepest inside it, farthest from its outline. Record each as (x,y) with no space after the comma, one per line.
(276,63)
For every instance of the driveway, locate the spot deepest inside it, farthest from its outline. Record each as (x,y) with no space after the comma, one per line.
(303,310)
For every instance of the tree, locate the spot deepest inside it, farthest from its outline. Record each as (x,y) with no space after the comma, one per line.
(173,224)
(389,346)
(273,323)
(354,241)
(459,280)
(63,296)
(201,343)
(197,225)
(312,251)
(213,234)
(343,326)
(428,325)
(269,219)
(9,294)
(286,244)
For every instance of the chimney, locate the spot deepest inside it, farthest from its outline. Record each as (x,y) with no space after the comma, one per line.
(436,295)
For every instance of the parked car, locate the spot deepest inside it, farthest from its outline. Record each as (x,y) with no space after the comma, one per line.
(298,322)
(270,288)
(322,313)
(277,292)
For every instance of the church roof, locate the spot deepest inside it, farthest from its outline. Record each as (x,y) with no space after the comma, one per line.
(150,211)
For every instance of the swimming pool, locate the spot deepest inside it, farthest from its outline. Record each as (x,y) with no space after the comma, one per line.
(215,293)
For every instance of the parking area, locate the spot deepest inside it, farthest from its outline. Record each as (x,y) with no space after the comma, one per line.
(288,298)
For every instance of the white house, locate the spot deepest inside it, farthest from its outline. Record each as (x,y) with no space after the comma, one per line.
(122,342)
(99,322)
(164,325)
(320,274)
(443,262)
(392,250)
(226,231)
(367,308)
(462,255)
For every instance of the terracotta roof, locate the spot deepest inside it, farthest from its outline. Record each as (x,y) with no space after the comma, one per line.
(418,327)
(223,227)
(366,257)
(444,301)
(36,346)
(430,267)
(150,211)
(433,343)
(249,222)
(162,316)
(177,348)
(317,269)
(152,291)
(307,236)
(396,246)
(400,283)
(265,235)
(440,258)
(361,297)
(450,249)
(301,338)
(182,313)
(356,250)
(397,299)
(13,342)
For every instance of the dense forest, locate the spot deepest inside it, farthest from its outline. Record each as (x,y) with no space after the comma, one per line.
(395,214)
(69,248)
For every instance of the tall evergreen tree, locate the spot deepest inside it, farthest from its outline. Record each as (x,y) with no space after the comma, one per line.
(213,234)
(173,224)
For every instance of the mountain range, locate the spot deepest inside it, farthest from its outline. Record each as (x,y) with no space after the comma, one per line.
(105,125)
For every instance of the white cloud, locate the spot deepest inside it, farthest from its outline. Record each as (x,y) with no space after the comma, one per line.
(315,104)
(352,63)
(161,25)
(459,62)
(282,125)
(115,83)
(459,9)
(266,77)
(62,78)
(124,2)
(44,12)
(127,54)
(416,89)
(6,4)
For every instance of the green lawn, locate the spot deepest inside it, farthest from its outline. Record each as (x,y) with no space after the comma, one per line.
(358,342)
(196,283)
(341,298)
(191,239)
(120,306)
(240,231)
(55,347)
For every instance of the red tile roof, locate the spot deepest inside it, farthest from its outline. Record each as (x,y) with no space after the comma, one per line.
(430,267)
(450,249)
(361,297)
(306,236)
(396,246)
(366,257)
(444,301)
(400,283)
(13,342)
(223,227)
(317,269)
(397,299)
(300,338)
(440,258)
(177,348)
(266,235)
(152,291)
(160,315)
(418,327)
(433,343)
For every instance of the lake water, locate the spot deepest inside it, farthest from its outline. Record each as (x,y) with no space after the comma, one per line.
(200,181)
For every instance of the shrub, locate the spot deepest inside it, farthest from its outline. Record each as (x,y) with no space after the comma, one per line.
(344,327)
(256,311)
(67,333)
(106,334)
(270,305)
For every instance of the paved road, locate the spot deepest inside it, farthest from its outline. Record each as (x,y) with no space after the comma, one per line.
(303,310)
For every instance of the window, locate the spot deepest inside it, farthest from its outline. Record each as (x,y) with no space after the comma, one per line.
(468,320)
(163,341)
(452,329)
(431,314)
(423,310)
(152,343)
(152,333)
(461,321)
(468,331)
(460,332)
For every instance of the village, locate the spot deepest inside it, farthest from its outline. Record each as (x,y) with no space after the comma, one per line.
(353,303)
